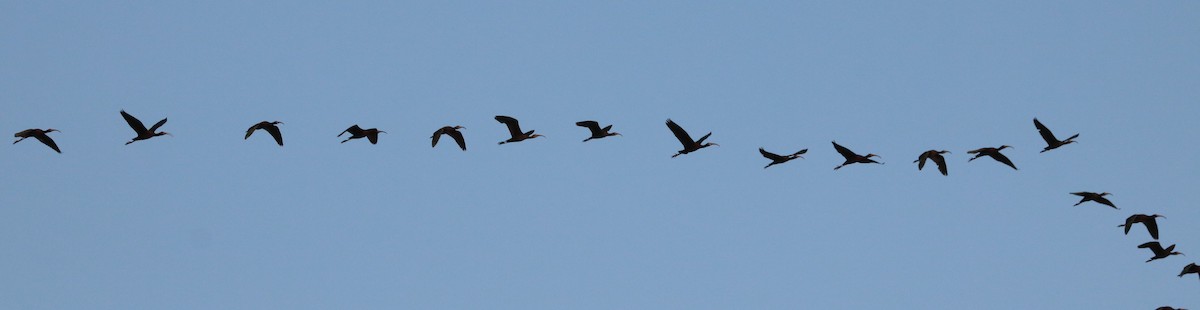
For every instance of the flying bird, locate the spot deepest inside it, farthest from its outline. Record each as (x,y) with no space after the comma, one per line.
(1168,308)
(1190,268)
(514,129)
(453,133)
(779,159)
(269,127)
(851,157)
(994,152)
(937,158)
(1051,141)
(40,135)
(140,129)
(689,145)
(1146,220)
(358,133)
(597,132)
(1159,251)
(1099,198)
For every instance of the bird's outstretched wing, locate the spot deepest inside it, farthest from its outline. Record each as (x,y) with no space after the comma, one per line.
(941,163)
(274,131)
(134,123)
(593,126)
(1105,201)
(437,135)
(680,134)
(514,128)
(251,130)
(1046,134)
(1152,245)
(47,141)
(353,130)
(1004,159)
(158,124)
(458,138)
(373,137)
(847,153)
(769,155)
(1151,226)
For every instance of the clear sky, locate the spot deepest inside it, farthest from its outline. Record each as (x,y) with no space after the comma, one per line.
(206,220)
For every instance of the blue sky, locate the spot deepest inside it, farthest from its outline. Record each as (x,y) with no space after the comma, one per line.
(207,220)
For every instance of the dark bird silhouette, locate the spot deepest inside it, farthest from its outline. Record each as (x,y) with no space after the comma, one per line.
(357,133)
(1146,220)
(514,129)
(779,159)
(269,127)
(937,158)
(689,145)
(1168,308)
(1190,268)
(40,135)
(453,133)
(140,129)
(597,132)
(851,157)
(994,152)
(1051,141)
(1099,198)
(1159,251)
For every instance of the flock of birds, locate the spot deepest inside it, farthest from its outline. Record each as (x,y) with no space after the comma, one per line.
(691,145)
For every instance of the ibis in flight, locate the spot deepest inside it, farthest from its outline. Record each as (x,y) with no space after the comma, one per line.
(453,133)
(689,145)
(514,129)
(140,129)
(1099,198)
(1159,251)
(40,135)
(779,159)
(269,127)
(597,132)
(358,133)
(936,157)
(851,157)
(1051,141)
(993,152)
(1146,220)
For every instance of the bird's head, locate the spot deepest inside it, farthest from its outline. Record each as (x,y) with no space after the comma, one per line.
(163,133)
(535,136)
(276,123)
(1173,253)
(873,155)
(1105,194)
(943,152)
(458,127)
(614,134)
(381,131)
(709,144)
(1156,215)
(52,130)
(1004,147)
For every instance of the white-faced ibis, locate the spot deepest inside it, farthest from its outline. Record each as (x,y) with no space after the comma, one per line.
(1051,141)
(597,132)
(453,133)
(269,127)
(1159,251)
(779,159)
(936,157)
(1095,197)
(357,133)
(514,129)
(993,152)
(1146,220)
(1190,268)
(1168,308)
(851,157)
(40,135)
(140,129)
(689,145)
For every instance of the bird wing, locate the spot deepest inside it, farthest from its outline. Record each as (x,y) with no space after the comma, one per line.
(373,137)
(1046,134)
(1106,202)
(274,131)
(1004,159)
(680,134)
(941,163)
(1129,222)
(1152,245)
(1151,226)
(921,160)
(47,141)
(24,133)
(606,129)
(705,137)
(769,155)
(1082,194)
(514,128)
(847,153)
(592,126)
(458,138)
(134,123)
(438,135)
(156,125)
(353,130)
(251,130)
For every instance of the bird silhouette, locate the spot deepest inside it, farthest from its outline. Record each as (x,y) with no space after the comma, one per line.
(270,128)
(993,152)
(937,158)
(779,159)
(453,133)
(1190,268)
(689,145)
(1051,141)
(514,129)
(1168,308)
(597,132)
(40,135)
(1146,220)
(140,129)
(1159,251)
(358,133)
(851,157)
(1099,198)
